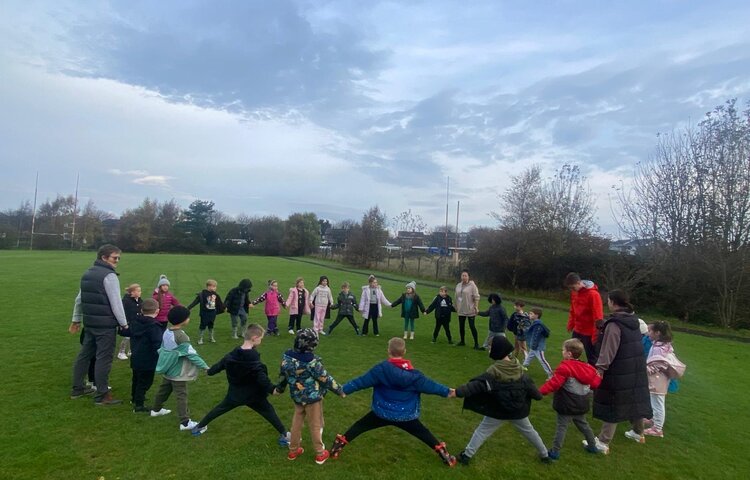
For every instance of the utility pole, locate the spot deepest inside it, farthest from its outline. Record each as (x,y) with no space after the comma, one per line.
(75,210)
(33,212)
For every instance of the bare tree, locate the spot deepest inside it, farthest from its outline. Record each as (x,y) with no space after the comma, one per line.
(407,221)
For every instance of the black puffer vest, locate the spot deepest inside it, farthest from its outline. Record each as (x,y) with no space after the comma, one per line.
(97,312)
(623,394)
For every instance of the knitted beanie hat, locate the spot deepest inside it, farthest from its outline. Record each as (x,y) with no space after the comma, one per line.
(501,348)
(178,314)
(412,285)
(305,341)
(162,281)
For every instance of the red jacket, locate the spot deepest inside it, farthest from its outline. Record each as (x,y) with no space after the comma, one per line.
(585,310)
(581,371)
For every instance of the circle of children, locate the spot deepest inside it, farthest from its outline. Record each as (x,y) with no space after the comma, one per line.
(628,372)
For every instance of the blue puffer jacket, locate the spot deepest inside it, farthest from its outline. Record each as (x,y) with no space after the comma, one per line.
(396,391)
(536,335)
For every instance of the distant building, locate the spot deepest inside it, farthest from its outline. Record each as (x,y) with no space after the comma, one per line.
(411,239)
(629,247)
(336,238)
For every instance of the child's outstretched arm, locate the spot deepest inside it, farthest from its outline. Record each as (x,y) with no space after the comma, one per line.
(431,387)
(432,306)
(473,387)
(195,359)
(556,382)
(195,302)
(322,376)
(217,367)
(362,382)
(531,389)
(262,298)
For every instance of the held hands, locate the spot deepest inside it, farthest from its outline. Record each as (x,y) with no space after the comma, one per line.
(342,394)
(276,392)
(451,393)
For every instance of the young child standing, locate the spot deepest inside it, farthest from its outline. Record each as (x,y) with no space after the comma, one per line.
(498,319)
(166,300)
(571,383)
(662,365)
(519,323)
(322,298)
(396,389)
(238,304)
(210,306)
(308,383)
(371,305)
(502,394)
(145,339)
(298,303)
(536,336)
(131,303)
(442,304)
(411,305)
(248,384)
(346,303)
(274,302)
(179,363)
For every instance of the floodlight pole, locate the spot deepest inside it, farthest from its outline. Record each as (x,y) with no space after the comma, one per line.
(33,212)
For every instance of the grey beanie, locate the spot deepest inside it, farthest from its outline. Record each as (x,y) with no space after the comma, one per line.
(412,285)
(162,281)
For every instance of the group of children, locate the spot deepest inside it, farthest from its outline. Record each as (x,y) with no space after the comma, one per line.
(502,393)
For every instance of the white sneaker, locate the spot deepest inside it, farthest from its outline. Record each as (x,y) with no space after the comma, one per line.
(161,412)
(322,332)
(291,332)
(600,446)
(190,425)
(122,356)
(200,341)
(635,436)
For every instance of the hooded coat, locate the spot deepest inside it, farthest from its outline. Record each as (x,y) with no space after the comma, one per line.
(571,383)
(585,310)
(238,297)
(245,372)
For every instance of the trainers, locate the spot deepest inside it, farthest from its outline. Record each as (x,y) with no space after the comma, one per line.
(200,341)
(648,423)
(635,436)
(553,454)
(446,457)
(653,432)
(322,457)
(107,400)
(213,340)
(546,459)
(141,409)
(160,412)
(323,332)
(599,446)
(196,432)
(284,439)
(291,332)
(338,444)
(190,425)
(293,454)
(86,391)
(122,356)
(464,459)
(591,448)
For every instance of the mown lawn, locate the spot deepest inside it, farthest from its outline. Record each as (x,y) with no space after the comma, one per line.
(47,435)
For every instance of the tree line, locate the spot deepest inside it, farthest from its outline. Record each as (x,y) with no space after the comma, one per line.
(687,212)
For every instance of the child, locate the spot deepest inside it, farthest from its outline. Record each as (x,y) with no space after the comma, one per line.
(519,323)
(498,319)
(298,303)
(370,305)
(274,302)
(396,389)
(322,298)
(536,336)
(443,306)
(131,303)
(411,305)
(502,394)
(662,365)
(166,300)
(248,384)
(237,303)
(210,306)
(346,303)
(571,383)
(145,339)
(179,363)
(308,383)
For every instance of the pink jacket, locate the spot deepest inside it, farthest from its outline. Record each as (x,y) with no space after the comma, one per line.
(364,302)
(662,365)
(165,305)
(292,302)
(273,300)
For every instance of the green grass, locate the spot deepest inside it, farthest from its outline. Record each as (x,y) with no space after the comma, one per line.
(47,435)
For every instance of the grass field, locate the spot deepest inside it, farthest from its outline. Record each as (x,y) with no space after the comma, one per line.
(47,435)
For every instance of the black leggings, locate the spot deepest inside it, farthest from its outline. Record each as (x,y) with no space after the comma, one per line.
(295,322)
(373,315)
(338,320)
(588,346)
(443,323)
(372,421)
(472,327)
(232,401)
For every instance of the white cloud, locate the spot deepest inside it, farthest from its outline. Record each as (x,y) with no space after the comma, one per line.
(153,180)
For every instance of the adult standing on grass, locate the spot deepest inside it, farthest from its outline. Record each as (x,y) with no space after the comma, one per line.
(467,306)
(586,313)
(99,308)
(623,394)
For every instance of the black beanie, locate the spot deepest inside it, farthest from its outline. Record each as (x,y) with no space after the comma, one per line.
(501,348)
(178,314)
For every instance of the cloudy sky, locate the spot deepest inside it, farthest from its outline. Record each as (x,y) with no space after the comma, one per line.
(280,106)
